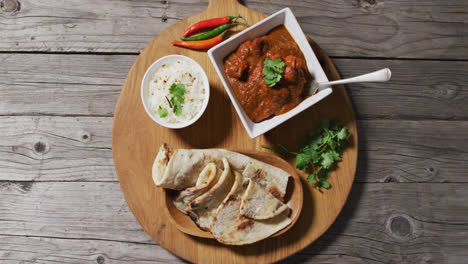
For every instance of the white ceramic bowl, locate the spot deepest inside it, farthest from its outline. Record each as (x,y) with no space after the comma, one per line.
(145,83)
(286,17)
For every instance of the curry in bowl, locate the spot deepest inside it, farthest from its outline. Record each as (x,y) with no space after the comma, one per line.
(268,75)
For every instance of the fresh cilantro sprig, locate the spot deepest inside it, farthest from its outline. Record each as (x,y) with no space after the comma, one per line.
(162,112)
(318,151)
(177,91)
(177,100)
(272,71)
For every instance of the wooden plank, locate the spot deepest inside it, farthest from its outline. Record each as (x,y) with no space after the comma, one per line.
(410,29)
(418,89)
(61,84)
(381,222)
(412,151)
(68,210)
(14,249)
(79,149)
(56,148)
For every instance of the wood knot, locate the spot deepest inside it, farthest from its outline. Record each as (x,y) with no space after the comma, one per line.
(367,3)
(400,227)
(100,260)
(390,179)
(84,136)
(161,228)
(371,6)
(40,148)
(25,186)
(447,90)
(433,171)
(10,6)
(164,2)
(164,18)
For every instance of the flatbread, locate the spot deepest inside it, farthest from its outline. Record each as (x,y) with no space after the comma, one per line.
(258,204)
(177,169)
(180,169)
(231,228)
(203,207)
(273,179)
(267,178)
(206,179)
(215,203)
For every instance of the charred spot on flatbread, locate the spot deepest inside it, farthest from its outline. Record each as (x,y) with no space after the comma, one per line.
(276,193)
(248,223)
(231,198)
(167,154)
(259,175)
(193,217)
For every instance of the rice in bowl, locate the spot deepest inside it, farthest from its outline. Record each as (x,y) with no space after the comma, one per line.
(185,100)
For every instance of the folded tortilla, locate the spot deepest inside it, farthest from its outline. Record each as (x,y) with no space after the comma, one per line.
(202,208)
(177,169)
(267,178)
(231,228)
(206,179)
(180,168)
(258,204)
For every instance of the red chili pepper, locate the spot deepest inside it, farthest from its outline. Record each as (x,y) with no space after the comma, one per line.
(200,44)
(209,23)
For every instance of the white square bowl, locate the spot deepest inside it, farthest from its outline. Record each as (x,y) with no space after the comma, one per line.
(286,17)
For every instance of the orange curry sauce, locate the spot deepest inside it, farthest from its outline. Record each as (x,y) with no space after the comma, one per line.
(244,67)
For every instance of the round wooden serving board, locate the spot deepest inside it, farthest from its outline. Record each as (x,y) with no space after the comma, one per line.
(136,140)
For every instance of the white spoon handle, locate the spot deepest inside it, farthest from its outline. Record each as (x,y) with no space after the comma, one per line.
(382,75)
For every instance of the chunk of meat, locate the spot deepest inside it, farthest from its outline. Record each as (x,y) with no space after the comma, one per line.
(247,49)
(236,67)
(295,67)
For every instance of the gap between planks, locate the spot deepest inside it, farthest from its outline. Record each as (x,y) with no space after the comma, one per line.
(103,53)
(385,118)
(82,238)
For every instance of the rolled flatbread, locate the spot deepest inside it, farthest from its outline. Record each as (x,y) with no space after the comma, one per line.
(258,204)
(202,208)
(207,178)
(177,169)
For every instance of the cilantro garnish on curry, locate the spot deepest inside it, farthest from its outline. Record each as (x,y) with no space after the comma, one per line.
(272,71)
(268,75)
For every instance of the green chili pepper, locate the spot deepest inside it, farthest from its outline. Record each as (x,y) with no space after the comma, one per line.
(214,32)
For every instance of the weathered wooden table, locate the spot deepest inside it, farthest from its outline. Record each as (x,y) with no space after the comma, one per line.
(62,64)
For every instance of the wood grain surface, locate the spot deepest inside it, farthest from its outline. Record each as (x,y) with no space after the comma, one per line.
(419,89)
(63,63)
(369,28)
(390,150)
(136,140)
(414,223)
